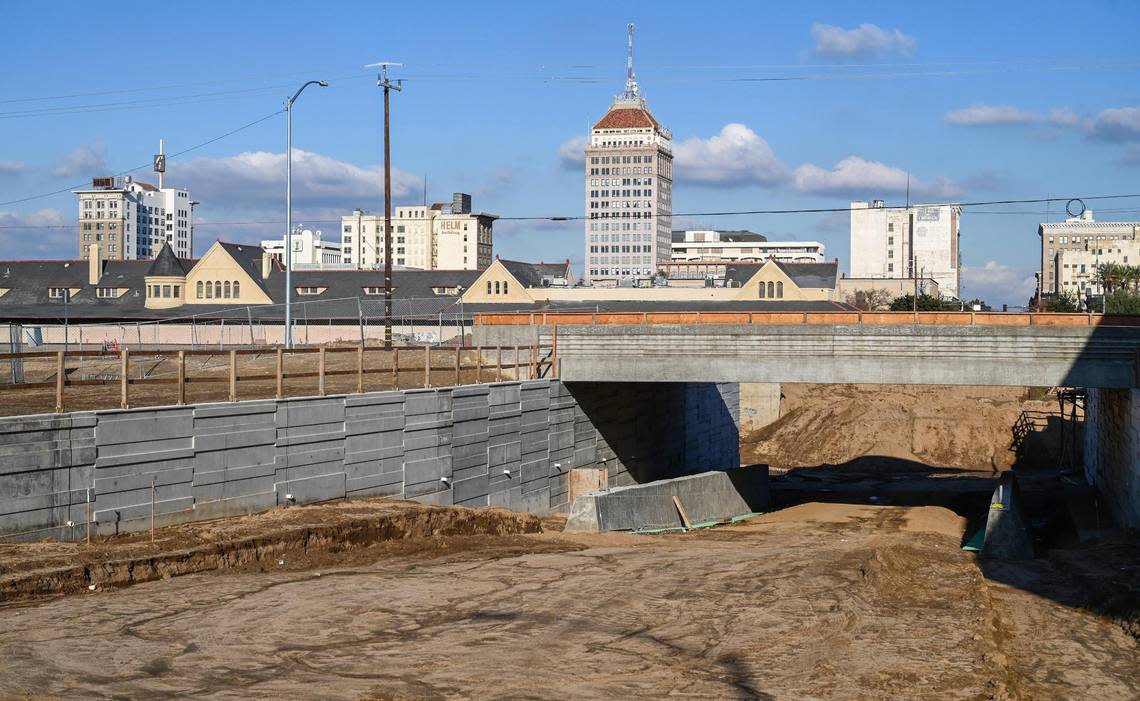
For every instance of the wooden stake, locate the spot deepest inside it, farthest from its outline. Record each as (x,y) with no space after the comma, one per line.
(280,373)
(124,368)
(152,509)
(395,368)
(554,353)
(515,370)
(458,361)
(499,363)
(360,369)
(233,375)
(181,377)
(684,516)
(89,516)
(532,371)
(427,366)
(321,372)
(59,380)
(478,365)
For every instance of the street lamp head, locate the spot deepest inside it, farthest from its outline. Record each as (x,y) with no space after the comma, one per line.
(323,83)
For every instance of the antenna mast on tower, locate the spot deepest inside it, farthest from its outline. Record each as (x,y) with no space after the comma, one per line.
(632,91)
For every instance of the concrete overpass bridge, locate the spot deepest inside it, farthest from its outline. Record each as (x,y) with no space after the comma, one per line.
(966,348)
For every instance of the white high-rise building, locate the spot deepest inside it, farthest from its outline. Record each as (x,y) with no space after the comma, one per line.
(130,219)
(629,189)
(436,237)
(907,242)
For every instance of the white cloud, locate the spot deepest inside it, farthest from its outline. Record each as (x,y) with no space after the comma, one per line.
(1064,117)
(735,156)
(862,41)
(85,161)
(12,167)
(997,283)
(1118,125)
(45,233)
(572,153)
(256,180)
(989,115)
(855,176)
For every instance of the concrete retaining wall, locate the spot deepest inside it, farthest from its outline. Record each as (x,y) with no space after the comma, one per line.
(1112,451)
(508,444)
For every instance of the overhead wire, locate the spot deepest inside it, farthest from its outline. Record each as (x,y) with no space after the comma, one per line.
(169,157)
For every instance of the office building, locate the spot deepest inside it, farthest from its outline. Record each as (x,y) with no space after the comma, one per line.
(309,250)
(131,219)
(914,242)
(435,237)
(629,189)
(1071,250)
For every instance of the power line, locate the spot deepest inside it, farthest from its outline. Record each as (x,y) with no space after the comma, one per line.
(812,210)
(146,165)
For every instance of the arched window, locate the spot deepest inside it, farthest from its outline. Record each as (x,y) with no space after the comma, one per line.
(226,289)
(209,291)
(217,289)
(488,287)
(780,290)
(504,286)
(200,292)
(496,287)
(237,289)
(771,289)
(761,290)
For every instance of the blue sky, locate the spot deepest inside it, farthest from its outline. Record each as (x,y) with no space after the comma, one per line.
(771,106)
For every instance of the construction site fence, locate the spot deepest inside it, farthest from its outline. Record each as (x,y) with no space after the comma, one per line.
(798,318)
(48,381)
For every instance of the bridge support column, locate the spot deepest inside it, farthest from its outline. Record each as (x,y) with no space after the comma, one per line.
(1112,451)
(759,405)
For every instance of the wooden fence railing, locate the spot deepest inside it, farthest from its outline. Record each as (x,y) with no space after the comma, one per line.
(407,367)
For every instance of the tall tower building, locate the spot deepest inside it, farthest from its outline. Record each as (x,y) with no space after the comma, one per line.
(629,189)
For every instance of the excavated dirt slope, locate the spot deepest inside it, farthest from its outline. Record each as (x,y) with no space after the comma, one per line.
(944,426)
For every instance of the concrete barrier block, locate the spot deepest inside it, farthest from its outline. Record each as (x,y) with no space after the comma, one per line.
(709,496)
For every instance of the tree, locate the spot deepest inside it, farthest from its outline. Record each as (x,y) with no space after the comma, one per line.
(871,300)
(1123,301)
(926,303)
(1064,302)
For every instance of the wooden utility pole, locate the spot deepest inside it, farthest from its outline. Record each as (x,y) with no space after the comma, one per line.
(382,81)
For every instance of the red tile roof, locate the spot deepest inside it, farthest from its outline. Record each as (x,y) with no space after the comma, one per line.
(627,118)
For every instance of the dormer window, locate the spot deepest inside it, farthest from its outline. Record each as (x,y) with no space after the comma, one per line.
(57,292)
(308,291)
(106,292)
(373,290)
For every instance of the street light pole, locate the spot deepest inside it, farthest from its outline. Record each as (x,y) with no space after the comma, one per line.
(382,81)
(289,210)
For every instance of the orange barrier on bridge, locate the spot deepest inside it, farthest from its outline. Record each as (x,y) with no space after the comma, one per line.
(836,317)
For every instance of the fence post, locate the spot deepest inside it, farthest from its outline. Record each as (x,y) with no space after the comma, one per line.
(233,375)
(59,380)
(554,352)
(321,372)
(360,368)
(458,361)
(517,363)
(181,377)
(478,365)
(280,372)
(124,368)
(499,363)
(532,371)
(427,366)
(395,367)
(360,321)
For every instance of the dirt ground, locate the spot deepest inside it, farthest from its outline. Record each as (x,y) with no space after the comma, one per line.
(212,374)
(813,601)
(951,426)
